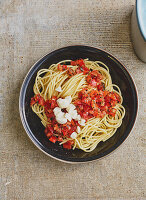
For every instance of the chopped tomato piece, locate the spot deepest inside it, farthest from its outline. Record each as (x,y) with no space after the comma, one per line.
(94,105)
(78,71)
(86,100)
(80,62)
(73,63)
(53,139)
(93,82)
(41,101)
(50,129)
(57,128)
(105,93)
(72,122)
(100,86)
(95,73)
(117,97)
(83,70)
(112,111)
(37,99)
(49,134)
(93,94)
(32,102)
(60,139)
(54,102)
(88,78)
(71,72)
(67,145)
(78,102)
(62,67)
(59,67)
(65,132)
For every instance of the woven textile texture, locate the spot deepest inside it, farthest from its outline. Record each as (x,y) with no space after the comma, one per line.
(30,29)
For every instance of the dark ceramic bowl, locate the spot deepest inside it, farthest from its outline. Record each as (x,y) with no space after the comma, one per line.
(35,129)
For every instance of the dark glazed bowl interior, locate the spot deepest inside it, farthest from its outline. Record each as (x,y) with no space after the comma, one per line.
(35,129)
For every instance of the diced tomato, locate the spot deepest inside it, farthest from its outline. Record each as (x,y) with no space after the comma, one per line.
(70,72)
(78,71)
(78,102)
(95,73)
(49,134)
(57,128)
(49,131)
(60,139)
(88,78)
(94,105)
(100,86)
(93,94)
(83,70)
(50,116)
(37,99)
(104,108)
(112,96)
(85,115)
(117,97)
(71,142)
(113,103)
(73,63)
(53,139)
(67,145)
(50,128)
(54,102)
(62,67)
(102,114)
(86,100)
(112,111)
(72,122)
(59,67)
(46,131)
(41,101)
(65,132)
(105,92)
(100,98)
(93,82)
(32,102)
(80,62)
(91,112)
(96,113)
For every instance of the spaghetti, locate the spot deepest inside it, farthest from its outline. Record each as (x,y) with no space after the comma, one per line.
(96,99)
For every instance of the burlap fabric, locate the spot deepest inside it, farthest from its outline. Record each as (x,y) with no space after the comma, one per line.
(30,29)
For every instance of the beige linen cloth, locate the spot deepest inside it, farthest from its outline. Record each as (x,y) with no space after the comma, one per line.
(30,29)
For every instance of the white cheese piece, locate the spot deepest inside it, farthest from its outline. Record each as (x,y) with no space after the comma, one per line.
(73,114)
(68,116)
(82,122)
(78,129)
(61,120)
(69,99)
(63,103)
(70,107)
(60,115)
(73,135)
(78,118)
(59,89)
(56,110)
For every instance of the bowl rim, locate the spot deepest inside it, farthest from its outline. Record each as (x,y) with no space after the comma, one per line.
(29,132)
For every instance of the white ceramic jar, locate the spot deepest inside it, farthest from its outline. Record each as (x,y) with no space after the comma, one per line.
(138,29)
